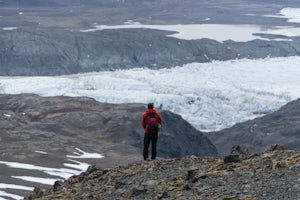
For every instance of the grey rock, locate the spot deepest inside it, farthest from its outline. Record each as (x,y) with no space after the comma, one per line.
(164,195)
(55,52)
(222,181)
(58,185)
(33,52)
(137,191)
(37,193)
(232,158)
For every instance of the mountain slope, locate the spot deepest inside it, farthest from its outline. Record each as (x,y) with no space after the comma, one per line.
(51,132)
(40,52)
(270,175)
(281,126)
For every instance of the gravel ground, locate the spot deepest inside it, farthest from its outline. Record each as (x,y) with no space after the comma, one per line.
(266,176)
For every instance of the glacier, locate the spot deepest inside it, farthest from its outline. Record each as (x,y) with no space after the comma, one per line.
(210,96)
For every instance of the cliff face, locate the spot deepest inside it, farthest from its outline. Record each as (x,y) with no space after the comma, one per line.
(281,126)
(32,52)
(270,175)
(56,52)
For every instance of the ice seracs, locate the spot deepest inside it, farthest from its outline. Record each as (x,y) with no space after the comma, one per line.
(211,96)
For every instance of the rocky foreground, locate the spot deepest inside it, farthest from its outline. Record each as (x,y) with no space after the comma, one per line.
(273,174)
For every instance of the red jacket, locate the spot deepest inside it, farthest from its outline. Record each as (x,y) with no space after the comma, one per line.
(144,117)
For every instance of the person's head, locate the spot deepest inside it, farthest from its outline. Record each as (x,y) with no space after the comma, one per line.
(150,106)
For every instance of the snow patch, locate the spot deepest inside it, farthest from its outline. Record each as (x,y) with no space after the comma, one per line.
(80,165)
(15,187)
(46,181)
(218,32)
(41,152)
(9,195)
(9,28)
(82,154)
(293,14)
(59,172)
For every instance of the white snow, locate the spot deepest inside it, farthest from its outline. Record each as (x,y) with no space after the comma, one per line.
(77,167)
(46,181)
(73,167)
(9,195)
(80,165)
(15,187)
(131,22)
(59,172)
(218,32)
(9,28)
(293,14)
(6,115)
(82,154)
(211,96)
(41,152)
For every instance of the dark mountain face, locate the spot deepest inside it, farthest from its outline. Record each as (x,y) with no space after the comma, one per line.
(59,125)
(33,52)
(65,117)
(281,127)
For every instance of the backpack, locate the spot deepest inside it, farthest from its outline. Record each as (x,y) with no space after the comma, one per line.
(152,123)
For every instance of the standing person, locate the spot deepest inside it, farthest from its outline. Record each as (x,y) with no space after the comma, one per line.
(151,122)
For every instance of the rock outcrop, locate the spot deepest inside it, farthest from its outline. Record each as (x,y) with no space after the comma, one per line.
(280,127)
(270,175)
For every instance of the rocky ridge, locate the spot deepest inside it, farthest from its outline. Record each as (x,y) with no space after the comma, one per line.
(273,174)
(281,126)
(82,120)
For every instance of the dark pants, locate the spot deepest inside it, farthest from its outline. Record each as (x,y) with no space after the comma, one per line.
(150,137)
